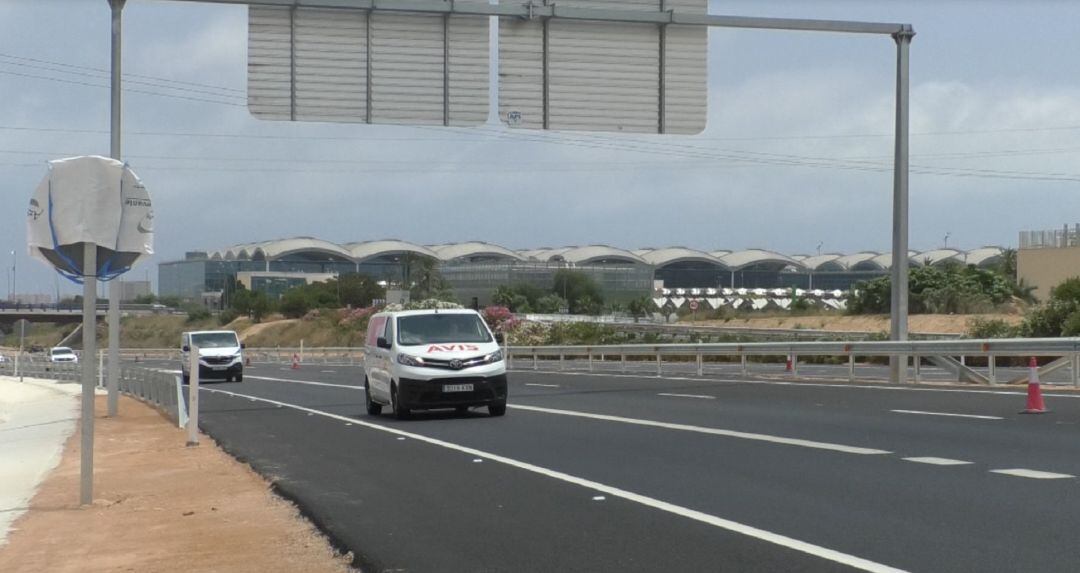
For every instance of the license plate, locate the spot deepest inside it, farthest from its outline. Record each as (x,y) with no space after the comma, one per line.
(458,388)
(220,367)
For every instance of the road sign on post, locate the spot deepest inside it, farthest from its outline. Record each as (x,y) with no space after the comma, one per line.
(557,71)
(318,64)
(90,218)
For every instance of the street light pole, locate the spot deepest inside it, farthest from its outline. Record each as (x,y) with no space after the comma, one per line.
(899,302)
(115,287)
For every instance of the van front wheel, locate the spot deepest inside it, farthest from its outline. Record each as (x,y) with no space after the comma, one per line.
(400,412)
(497,408)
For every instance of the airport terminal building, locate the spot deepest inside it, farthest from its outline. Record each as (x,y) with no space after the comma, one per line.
(475,269)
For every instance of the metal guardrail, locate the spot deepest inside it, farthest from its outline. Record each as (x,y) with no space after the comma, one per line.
(934,350)
(160,390)
(331,356)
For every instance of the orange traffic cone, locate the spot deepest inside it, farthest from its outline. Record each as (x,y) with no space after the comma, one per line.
(789,368)
(247,361)
(295,361)
(1035,403)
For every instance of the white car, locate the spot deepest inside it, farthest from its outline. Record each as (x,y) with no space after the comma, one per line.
(428,359)
(221,355)
(60,354)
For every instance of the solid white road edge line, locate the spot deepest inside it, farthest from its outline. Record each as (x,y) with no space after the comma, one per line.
(947,414)
(1033,474)
(779,383)
(735,527)
(938,461)
(701,396)
(706,430)
(543,385)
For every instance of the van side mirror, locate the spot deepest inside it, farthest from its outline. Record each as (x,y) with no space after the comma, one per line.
(185,348)
(500,337)
(382,343)
(243,346)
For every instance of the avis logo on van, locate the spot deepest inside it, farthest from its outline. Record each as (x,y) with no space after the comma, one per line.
(453,347)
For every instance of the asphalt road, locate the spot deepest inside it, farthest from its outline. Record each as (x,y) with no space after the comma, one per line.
(632,472)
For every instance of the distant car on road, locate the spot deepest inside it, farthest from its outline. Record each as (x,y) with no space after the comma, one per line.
(220,355)
(427,359)
(61,354)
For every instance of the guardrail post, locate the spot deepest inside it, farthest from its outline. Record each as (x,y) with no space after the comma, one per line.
(992,363)
(745,364)
(590,360)
(918,368)
(851,368)
(659,364)
(562,362)
(794,364)
(700,364)
(1076,370)
(622,362)
(536,363)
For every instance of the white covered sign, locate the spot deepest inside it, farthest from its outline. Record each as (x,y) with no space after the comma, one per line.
(90,199)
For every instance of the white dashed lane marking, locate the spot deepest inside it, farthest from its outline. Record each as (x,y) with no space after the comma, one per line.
(1033,474)
(938,461)
(699,396)
(542,385)
(920,413)
(706,430)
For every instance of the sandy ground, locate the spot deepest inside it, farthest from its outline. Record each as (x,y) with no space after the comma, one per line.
(36,419)
(161,507)
(924,323)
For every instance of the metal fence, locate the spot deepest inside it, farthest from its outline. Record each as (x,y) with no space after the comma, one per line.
(1051,238)
(949,354)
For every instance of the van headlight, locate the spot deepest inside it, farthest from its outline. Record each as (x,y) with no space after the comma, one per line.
(494,357)
(410,360)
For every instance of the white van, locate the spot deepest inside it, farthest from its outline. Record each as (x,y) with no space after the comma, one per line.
(428,359)
(221,355)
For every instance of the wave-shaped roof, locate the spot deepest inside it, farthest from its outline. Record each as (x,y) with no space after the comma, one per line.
(474,249)
(368,250)
(826,262)
(863,261)
(984,257)
(833,262)
(939,256)
(662,257)
(598,253)
(759,257)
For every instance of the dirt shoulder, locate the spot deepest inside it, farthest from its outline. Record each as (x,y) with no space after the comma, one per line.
(922,323)
(162,507)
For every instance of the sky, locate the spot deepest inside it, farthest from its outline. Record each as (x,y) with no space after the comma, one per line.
(995,122)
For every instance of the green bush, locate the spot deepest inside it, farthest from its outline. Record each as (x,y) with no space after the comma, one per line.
(196,313)
(1058,316)
(1071,326)
(990,328)
(227,316)
(952,289)
(295,303)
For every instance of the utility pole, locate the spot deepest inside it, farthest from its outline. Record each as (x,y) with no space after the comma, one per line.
(114,151)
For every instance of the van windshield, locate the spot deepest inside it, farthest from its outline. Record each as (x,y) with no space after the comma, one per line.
(437,328)
(214,339)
